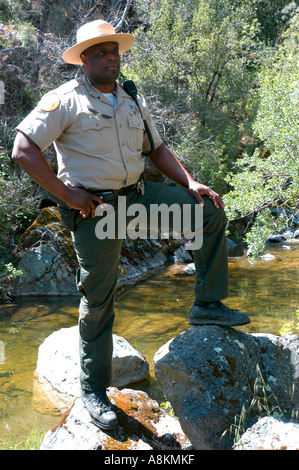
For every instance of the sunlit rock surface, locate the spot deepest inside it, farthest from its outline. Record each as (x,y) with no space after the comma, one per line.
(58,366)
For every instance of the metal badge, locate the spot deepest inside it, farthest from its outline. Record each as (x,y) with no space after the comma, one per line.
(141,187)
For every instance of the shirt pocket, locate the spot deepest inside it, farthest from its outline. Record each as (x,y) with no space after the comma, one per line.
(136,131)
(97,133)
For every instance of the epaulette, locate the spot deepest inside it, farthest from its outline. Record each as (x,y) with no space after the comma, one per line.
(67,87)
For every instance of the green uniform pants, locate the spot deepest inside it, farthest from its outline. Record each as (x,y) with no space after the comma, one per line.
(98,272)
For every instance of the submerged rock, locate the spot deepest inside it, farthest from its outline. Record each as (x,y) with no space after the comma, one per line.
(210,373)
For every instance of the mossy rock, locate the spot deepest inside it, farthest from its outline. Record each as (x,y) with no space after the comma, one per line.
(47,229)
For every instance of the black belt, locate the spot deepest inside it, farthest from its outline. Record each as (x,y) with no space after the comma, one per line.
(111,194)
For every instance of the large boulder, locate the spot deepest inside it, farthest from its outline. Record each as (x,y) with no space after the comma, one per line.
(58,366)
(143,424)
(46,257)
(210,373)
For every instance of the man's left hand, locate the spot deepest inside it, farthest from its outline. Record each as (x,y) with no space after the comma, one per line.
(197,190)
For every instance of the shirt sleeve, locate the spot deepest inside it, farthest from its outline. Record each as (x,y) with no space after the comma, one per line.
(47,121)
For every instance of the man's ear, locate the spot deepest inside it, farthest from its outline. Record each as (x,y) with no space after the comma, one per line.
(83,58)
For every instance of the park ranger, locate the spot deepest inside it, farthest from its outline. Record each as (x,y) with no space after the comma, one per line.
(100,134)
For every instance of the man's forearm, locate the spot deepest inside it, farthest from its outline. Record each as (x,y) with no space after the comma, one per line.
(166,162)
(31,159)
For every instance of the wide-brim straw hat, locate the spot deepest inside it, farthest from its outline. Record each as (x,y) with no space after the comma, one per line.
(93,33)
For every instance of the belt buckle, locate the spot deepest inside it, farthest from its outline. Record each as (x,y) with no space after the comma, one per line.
(106,196)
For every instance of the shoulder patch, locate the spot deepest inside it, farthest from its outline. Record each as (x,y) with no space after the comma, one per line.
(49,102)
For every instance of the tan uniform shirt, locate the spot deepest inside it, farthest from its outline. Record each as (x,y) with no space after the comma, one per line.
(98,145)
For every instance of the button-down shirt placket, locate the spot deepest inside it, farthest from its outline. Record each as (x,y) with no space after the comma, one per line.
(117,119)
(118,126)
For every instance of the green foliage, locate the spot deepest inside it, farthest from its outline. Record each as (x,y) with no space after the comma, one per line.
(28,34)
(12,272)
(291,327)
(271,180)
(18,205)
(199,63)
(166,406)
(199,60)
(33,441)
(7,275)
(265,225)
(4,11)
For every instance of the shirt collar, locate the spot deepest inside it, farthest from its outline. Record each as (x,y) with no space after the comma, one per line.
(94,91)
(90,88)
(119,91)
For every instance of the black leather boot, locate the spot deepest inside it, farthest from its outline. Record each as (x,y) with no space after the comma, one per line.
(100,410)
(215,313)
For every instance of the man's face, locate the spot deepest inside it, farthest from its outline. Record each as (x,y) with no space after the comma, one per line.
(102,64)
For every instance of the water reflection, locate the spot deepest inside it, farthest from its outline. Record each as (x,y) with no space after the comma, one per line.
(147,315)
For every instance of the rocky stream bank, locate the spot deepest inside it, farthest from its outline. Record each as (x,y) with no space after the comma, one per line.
(47,259)
(212,376)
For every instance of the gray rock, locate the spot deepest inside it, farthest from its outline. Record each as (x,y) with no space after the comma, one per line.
(278,238)
(45,273)
(181,256)
(208,374)
(233,248)
(290,216)
(58,364)
(289,235)
(270,433)
(140,256)
(128,365)
(190,268)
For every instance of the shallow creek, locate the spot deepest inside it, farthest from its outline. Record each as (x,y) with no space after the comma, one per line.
(147,315)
